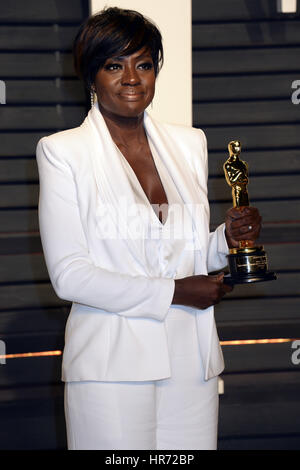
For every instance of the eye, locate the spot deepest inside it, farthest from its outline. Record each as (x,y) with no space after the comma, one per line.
(146,66)
(113,66)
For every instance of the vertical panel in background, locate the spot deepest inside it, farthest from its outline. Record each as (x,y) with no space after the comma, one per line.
(173,98)
(43,96)
(245,60)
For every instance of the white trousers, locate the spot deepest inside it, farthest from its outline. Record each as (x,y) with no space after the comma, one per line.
(176,413)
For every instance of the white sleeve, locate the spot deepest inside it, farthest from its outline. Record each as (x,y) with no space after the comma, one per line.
(72,273)
(217,250)
(217,246)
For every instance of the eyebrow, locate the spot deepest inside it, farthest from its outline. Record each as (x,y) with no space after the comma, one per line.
(122,58)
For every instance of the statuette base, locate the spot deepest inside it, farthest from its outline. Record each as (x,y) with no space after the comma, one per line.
(248,266)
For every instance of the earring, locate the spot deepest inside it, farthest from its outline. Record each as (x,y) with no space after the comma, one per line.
(92,94)
(92,98)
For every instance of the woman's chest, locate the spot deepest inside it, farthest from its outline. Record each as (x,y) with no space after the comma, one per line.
(147,175)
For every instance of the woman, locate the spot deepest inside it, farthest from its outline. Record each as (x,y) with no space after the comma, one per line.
(124,225)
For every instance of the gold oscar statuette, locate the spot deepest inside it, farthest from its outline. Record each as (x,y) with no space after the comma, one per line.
(247,263)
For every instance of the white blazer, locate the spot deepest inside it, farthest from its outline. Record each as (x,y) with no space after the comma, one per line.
(115,330)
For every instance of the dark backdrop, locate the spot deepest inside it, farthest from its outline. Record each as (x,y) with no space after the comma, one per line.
(43,96)
(245,58)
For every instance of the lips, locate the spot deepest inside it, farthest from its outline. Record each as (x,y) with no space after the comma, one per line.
(131,95)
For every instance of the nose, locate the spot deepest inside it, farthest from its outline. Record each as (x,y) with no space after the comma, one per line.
(130,76)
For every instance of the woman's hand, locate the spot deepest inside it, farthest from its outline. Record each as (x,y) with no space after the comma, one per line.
(200,291)
(242,223)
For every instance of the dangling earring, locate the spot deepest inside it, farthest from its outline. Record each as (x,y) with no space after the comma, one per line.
(92,96)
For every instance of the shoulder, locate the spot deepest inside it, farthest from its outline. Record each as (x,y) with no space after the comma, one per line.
(191,141)
(63,145)
(182,131)
(188,136)
(68,138)
(184,143)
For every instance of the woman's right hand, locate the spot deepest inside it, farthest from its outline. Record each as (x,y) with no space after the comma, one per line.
(200,291)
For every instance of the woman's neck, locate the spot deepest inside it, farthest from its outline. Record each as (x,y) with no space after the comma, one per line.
(125,131)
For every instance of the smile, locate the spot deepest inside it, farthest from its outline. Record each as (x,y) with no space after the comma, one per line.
(130,96)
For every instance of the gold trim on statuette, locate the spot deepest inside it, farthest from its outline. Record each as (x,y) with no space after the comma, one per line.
(236,251)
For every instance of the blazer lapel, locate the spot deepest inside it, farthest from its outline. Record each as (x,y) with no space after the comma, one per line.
(113,186)
(176,162)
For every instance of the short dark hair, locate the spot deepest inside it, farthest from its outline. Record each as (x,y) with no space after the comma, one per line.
(111,33)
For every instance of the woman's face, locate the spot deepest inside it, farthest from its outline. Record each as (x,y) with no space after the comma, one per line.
(125,85)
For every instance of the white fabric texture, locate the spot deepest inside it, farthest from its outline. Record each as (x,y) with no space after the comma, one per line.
(176,413)
(120,295)
(168,246)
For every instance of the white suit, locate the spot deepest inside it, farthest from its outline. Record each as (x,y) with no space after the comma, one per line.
(109,282)
(116,330)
